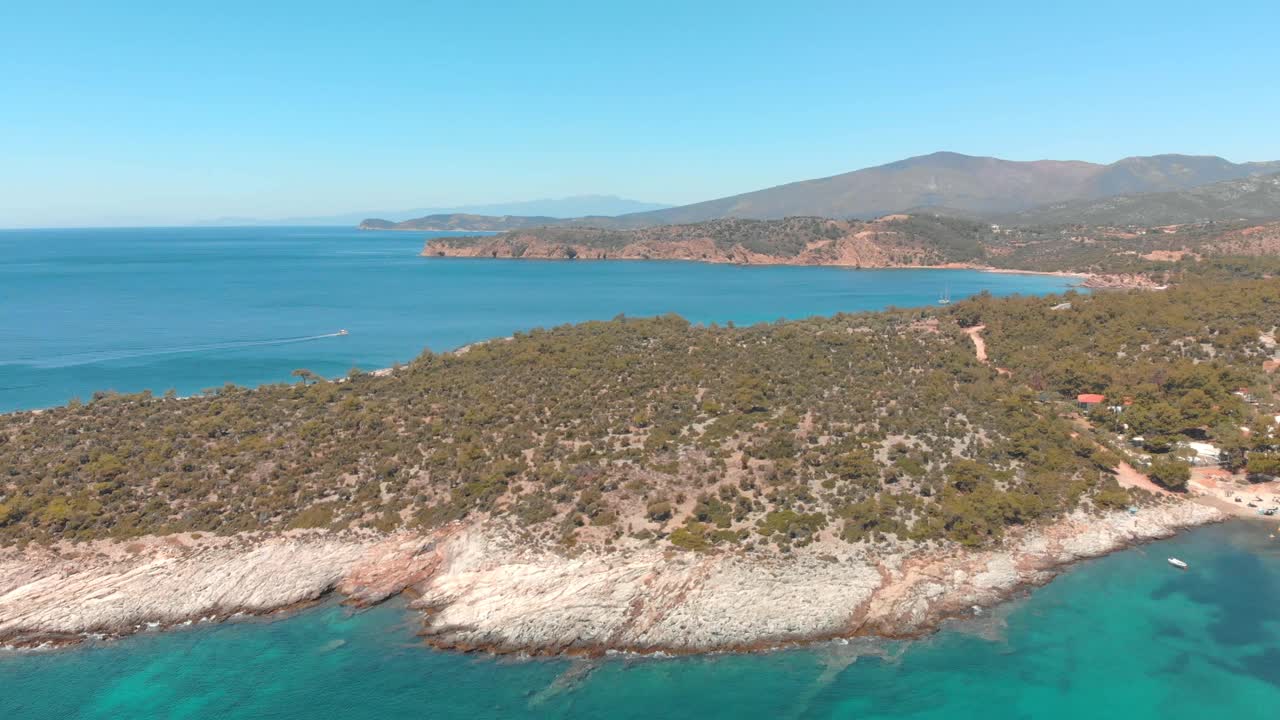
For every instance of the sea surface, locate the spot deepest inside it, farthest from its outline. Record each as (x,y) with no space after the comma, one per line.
(195,308)
(1125,636)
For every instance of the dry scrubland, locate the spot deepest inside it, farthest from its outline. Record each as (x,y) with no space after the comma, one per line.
(845,429)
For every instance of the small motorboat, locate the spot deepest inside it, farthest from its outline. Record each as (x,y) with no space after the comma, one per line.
(1177,563)
(343,331)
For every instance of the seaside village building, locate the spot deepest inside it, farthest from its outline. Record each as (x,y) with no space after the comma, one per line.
(1089,401)
(1206,454)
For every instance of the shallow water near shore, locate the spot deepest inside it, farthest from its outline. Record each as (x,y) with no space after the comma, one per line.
(1124,636)
(194,308)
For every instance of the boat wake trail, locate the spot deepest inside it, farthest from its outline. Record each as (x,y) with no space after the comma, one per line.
(101,356)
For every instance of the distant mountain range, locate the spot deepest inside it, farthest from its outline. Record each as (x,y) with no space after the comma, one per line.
(554,208)
(947,183)
(962,184)
(467,222)
(569,207)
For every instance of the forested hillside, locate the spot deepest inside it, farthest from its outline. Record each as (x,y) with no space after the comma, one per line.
(863,427)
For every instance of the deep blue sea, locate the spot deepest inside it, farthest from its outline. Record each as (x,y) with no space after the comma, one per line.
(195,308)
(1121,637)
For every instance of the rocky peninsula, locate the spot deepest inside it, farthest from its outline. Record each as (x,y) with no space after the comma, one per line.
(649,485)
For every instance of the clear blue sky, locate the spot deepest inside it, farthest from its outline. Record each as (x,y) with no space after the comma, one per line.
(156,113)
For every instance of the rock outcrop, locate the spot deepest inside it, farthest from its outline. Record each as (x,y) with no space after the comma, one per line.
(1122,281)
(107,590)
(491,597)
(480,589)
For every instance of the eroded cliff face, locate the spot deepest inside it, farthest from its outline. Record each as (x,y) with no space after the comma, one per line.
(481,589)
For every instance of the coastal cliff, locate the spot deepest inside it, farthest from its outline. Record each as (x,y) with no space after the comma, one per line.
(479,588)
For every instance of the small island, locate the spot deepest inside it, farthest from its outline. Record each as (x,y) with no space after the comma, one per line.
(651,485)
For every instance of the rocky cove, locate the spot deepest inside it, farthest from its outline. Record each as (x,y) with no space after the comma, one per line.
(480,588)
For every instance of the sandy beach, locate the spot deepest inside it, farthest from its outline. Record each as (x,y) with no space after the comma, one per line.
(1233,493)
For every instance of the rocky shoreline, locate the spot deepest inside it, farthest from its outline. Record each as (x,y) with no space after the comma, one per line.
(479,588)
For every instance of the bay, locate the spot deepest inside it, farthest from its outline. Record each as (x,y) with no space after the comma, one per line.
(194,308)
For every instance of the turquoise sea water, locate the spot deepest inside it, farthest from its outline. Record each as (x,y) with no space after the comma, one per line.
(1124,636)
(194,308)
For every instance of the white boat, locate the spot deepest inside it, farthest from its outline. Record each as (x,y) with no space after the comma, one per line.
(1177,563)
(342,331)
(945,298)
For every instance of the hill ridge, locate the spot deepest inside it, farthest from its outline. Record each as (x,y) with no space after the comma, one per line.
(945,182)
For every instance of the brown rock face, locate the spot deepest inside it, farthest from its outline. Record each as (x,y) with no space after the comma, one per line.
(1122,281)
